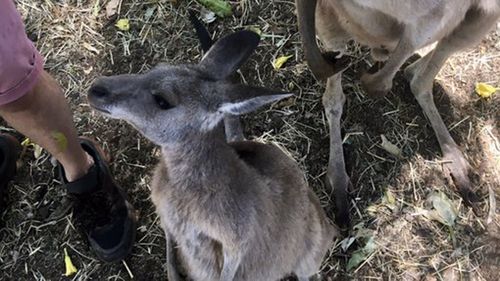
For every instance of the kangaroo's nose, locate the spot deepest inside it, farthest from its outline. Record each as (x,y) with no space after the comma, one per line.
(98,91)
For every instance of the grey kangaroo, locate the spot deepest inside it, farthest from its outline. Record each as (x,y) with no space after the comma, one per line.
(236,211)
(394,30)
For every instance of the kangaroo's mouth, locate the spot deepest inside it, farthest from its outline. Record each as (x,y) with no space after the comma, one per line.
(99,108)
(97,104)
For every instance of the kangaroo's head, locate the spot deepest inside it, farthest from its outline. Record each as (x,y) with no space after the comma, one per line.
(171,103)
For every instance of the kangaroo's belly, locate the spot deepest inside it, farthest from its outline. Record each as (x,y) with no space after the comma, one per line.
(365,25)
(200,256)
(380,24)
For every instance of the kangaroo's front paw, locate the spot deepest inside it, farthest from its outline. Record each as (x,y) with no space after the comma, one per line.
(374,86)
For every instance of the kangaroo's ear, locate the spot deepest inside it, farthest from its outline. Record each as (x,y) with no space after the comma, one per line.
(249,99)
(201,32)
(228,54)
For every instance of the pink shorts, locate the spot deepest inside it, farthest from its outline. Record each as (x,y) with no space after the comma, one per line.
(20,62)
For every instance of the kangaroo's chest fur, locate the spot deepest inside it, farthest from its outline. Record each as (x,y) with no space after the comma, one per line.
(266,209)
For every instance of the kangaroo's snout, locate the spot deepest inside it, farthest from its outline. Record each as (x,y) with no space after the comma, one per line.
(107,90)
(98,91)
(99,97)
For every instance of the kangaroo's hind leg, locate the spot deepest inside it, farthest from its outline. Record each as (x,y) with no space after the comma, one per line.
(421,75)
(334,39)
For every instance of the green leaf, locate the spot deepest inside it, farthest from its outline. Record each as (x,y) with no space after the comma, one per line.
(362,254)
(445,211)
(219,7)
(355,260)
(97,8)
(390,147)
(255,29)
(279,62)
(70,268)
(123,24)
(149,13)
(485,90)
(389,200)
(26,142)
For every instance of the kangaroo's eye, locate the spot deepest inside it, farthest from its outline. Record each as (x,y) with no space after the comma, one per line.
(162,102)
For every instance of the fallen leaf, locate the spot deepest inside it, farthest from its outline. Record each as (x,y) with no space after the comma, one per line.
(346,243)
(255,29)
(281,42)
(279,62)
(70,268)
(389,197)
(37,151)
(112,7)
(389,200)
(26,142)
(372,209)
(485,91)
(444,210)
(390,147)
(220,7)
(149,13)
(97,8)
(88,70)
(208,16)
(361,231)
(123,24)
(362,254)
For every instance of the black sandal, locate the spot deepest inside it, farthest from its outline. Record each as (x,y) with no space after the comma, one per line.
(9,152)
(101,209)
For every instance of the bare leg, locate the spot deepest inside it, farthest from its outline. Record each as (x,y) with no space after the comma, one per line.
(422,75)
(333,102)
(233,129)
(44,116)
(172,272)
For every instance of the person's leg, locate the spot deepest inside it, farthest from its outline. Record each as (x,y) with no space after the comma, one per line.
(33,103)
(31,100)
(101,207)
(44,116)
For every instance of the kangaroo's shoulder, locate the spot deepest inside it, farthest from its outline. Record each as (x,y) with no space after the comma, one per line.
(267,159)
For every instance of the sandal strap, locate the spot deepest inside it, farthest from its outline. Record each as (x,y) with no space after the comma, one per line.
(86,184)
(9,152)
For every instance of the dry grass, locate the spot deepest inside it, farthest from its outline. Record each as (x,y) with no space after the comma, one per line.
(79,43)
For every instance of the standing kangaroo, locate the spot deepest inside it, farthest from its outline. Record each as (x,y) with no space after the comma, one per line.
(236,211)
(394,30)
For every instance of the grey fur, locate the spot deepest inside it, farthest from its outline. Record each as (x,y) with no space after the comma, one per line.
(394,29)
(237,211)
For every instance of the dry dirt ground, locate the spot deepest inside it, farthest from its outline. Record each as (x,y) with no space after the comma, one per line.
(79,42)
